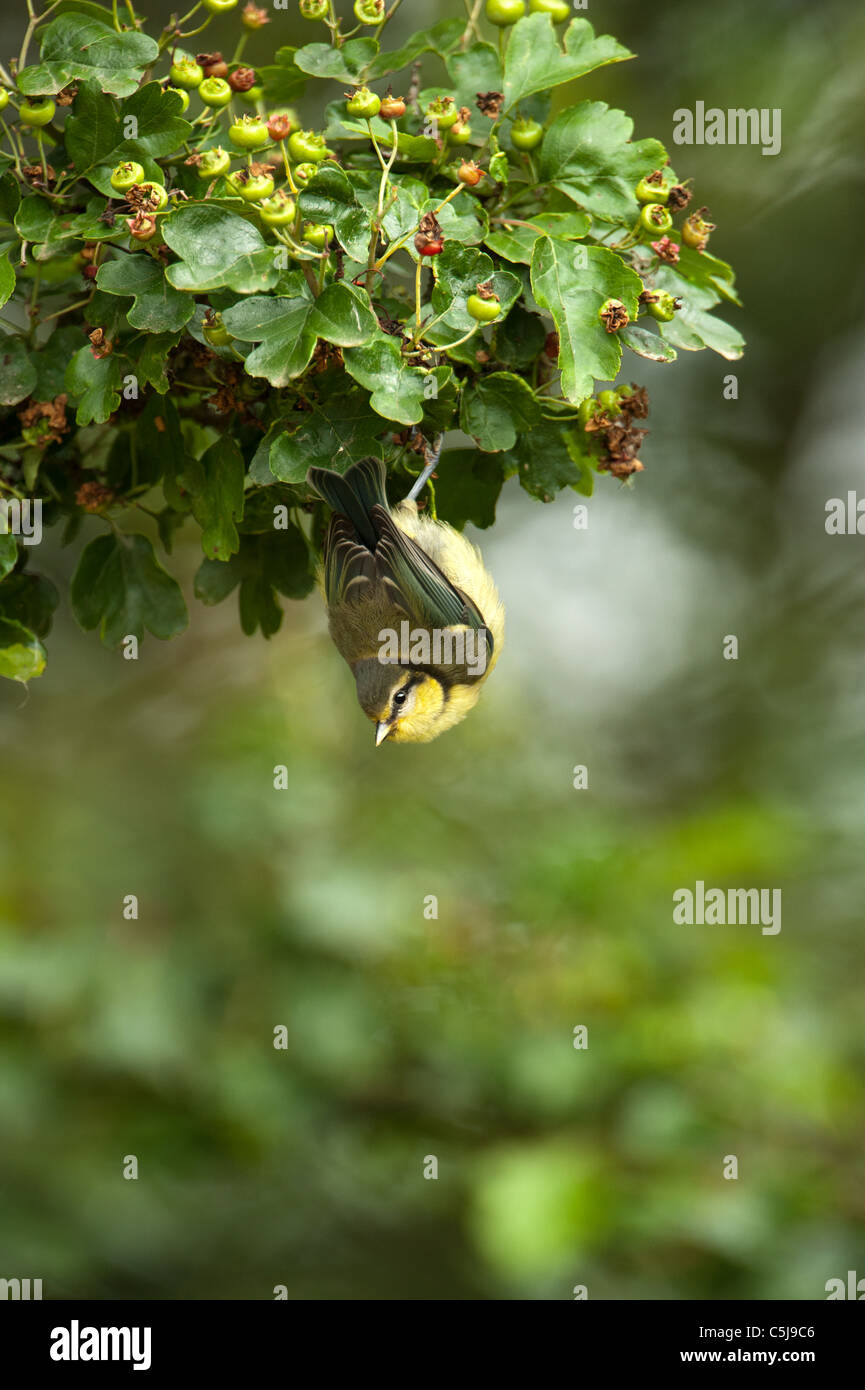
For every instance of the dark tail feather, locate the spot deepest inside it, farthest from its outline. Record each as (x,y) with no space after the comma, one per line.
(353,494)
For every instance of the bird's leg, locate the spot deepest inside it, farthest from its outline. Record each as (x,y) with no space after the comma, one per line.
(431,466)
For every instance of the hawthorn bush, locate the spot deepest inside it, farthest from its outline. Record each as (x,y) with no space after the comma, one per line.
(204,296)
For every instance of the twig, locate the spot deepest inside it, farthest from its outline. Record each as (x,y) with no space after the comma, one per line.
(431,466)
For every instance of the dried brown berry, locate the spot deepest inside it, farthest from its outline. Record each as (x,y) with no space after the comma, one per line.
(94,497)
(241,79)
(490,103)
(100,346)
(613,315)
(679,197)
(214,64)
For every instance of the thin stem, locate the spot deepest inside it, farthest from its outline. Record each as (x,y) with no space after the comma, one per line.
(446,347)
(195,8)
(385,176)
(7,132)
(375,144)
(32,311)
(425,327)
(41,147)
(81,304)
(190,32)
(417,293)
(473,12)
(35,20)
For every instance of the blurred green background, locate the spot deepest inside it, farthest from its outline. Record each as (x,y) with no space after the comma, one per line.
(410,1037)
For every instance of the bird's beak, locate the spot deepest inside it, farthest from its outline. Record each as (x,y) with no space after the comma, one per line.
(381,732)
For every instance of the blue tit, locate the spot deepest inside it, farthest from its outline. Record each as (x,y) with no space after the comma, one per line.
(412,608)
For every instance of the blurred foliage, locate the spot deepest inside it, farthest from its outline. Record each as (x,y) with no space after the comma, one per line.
(453,1037)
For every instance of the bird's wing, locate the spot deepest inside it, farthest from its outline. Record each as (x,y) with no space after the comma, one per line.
(436,601)
(353,494)
(353,574)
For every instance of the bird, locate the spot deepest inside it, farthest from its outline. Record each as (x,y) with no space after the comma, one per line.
(412,608)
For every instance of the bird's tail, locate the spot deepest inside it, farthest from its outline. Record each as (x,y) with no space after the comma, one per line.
(354,493)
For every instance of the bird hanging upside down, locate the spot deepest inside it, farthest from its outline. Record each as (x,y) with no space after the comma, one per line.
(389,575)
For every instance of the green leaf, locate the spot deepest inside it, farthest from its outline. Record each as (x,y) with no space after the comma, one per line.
(573,296)
(342,314)
(441,38)
(587,153)
(36,221)
(519,339)
(120,587)
(495,409)
(35,218)
(10,196)
(543,463)
(417,148)
(693,327)
(95,384)
(477,69)
(280,325)
(95,132)
(76,47)
(330,199)
(645,343)
(340,431)
(341,64)
(459,270)
(162,450)
(8,552)
(7,279)
(217,249)
(286,328)
(215,580)
(276,562)
(283,80)
(22,655)
(707,272)
(441,406)
(515,242)
(52,360)
(29,599)
(90,133)
(397,388)
(151,364)
(157,307)
(215,484)
(17,371)
(467,487)
(535,61)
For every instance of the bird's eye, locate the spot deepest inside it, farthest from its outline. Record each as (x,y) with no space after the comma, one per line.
(400,697)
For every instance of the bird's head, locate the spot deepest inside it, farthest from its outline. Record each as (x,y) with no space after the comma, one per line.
(405,705)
